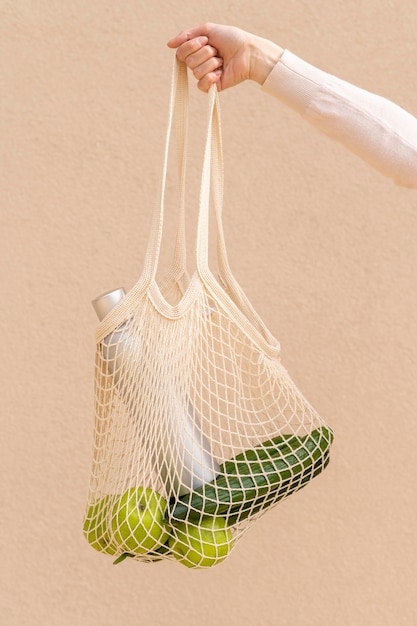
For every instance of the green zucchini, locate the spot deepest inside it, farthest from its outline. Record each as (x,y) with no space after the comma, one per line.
(258,477)
(275,496)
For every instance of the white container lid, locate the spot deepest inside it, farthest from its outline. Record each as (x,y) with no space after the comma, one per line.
(107,301)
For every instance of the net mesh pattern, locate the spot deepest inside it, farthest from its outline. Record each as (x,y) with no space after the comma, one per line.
(199,429)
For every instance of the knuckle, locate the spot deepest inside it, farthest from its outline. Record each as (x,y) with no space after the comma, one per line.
(180,54)
(198,73)
(194,45)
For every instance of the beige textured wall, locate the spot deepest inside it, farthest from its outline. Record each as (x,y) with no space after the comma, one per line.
(324,246)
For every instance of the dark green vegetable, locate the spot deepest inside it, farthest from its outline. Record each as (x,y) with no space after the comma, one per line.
(122,557)
(258,478)
(276,495)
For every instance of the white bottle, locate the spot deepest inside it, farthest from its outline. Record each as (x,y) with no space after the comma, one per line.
(190,463)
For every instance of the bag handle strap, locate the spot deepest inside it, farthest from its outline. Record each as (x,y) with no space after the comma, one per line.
(178,118)
(213,172)
(212,180)
(212,187)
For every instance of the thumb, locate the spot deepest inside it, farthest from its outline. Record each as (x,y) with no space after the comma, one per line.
(186,35)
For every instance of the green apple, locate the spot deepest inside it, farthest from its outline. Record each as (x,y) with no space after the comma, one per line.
(96,529)
(138,521)
(202,545)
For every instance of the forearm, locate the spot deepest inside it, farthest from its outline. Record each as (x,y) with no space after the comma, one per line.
(376,129)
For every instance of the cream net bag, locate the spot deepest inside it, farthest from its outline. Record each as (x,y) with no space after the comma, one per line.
(199,429)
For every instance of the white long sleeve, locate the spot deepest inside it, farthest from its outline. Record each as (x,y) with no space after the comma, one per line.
(374,128)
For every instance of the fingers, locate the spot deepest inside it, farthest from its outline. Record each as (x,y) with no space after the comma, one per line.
(194,49)
(202,61)
(193,46)
(209,79)
(201,58)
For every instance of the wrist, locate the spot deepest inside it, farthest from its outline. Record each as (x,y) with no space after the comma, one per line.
(264,55)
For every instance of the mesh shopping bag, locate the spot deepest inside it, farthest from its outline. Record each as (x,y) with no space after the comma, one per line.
(199,429)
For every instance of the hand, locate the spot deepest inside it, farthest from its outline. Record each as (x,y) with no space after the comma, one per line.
(225,55)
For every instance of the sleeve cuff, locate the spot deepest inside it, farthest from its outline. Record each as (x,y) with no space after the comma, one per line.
(294,81)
